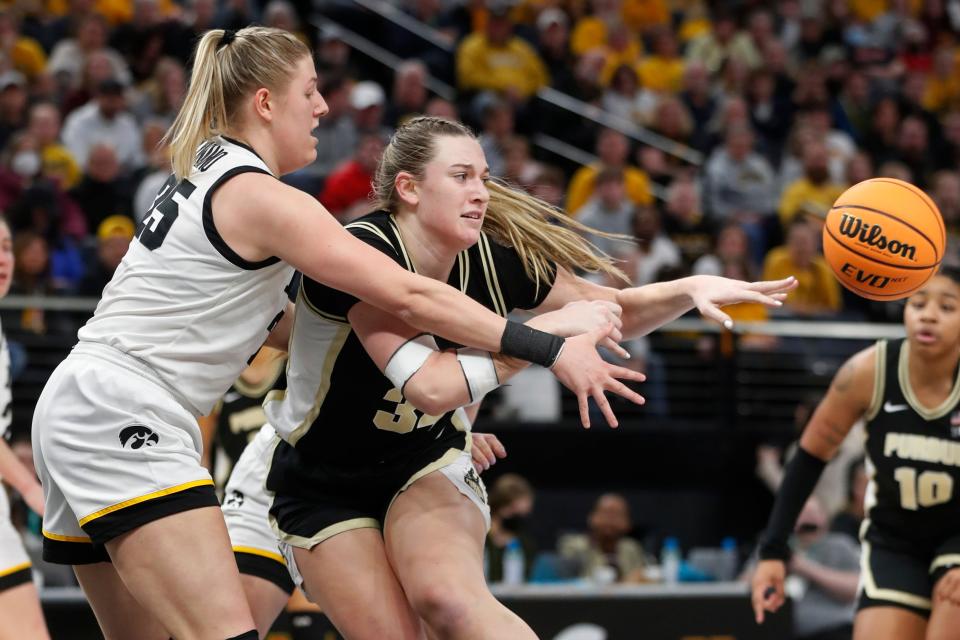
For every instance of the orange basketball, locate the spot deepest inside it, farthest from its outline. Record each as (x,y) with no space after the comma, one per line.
(884,238)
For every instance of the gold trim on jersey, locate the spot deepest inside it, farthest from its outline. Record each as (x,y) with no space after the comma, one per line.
(903,374)
(490,273)
(324,534)
(144,498)
(20,567)
(879,380)
(369,226)
(323,314)
(946,560)
(326,376)
(260,552)
(62,538)
(873,591)
(463,262)
(403,247)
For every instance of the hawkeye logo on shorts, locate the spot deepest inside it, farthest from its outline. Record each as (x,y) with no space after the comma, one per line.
(138,436)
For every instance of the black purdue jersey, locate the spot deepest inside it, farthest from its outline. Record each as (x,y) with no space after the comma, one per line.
(339,412)
(240,416)
(913,456)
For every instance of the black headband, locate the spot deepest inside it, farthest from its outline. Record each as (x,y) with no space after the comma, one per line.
(226,38)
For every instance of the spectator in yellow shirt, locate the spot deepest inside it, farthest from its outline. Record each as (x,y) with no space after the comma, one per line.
(594,31)
(498,60)
(25,54)
(814,193)
(818,292)
(612,149)
(662,71)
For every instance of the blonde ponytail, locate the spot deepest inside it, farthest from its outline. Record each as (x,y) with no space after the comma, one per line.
(544,235)
(227,67)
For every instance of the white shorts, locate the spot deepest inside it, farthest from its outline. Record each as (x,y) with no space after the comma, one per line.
(246,507)
(14,562)
(114,450)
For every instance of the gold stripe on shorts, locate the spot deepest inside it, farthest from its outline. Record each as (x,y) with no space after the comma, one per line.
(260,552)
(19,567)
(61,538)
(149,496)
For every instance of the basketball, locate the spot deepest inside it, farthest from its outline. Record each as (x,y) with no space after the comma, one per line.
(884,238)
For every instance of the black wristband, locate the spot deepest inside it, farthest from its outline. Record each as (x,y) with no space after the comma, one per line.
(799,480)
(538,347)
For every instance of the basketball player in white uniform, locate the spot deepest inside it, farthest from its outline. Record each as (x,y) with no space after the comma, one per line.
(19,605)
(115,437)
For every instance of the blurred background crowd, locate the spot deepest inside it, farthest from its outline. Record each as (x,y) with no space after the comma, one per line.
(717,134)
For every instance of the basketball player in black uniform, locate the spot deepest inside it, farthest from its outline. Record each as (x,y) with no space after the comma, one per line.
(372,421)
(908,391)
(239,415)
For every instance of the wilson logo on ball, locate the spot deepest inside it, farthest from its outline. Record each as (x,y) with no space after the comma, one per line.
(872,235)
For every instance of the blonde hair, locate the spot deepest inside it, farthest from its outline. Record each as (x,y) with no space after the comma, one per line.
(541,234)
(228,66)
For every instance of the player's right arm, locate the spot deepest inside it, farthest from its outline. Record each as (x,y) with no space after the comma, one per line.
(20,478)
(267,218)
(436,382)
(848,399)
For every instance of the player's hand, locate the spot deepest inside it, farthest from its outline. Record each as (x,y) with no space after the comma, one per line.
(709,293)
(948,587)
(583,316)
(485,451)
(581,369)
(34,498)
(768,587)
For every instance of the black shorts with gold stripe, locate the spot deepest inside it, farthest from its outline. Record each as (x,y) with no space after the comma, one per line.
(315,502)
(896,572)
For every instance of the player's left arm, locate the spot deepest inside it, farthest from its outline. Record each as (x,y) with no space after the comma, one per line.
(279,336)
(437,381)
(651,306)
(20,478)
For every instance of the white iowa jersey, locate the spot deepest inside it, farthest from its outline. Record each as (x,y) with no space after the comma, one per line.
(182,301)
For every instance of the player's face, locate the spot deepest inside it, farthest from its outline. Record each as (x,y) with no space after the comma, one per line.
(6,259)
(932,316)
(299,109)
(453,193)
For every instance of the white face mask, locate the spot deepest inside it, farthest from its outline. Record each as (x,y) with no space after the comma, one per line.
(26,163)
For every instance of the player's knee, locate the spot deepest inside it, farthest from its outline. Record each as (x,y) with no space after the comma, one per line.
(444,607)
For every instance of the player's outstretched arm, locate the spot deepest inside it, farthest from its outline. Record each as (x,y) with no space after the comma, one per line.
(651,306)
(260,217)
(436,382)
(849,398)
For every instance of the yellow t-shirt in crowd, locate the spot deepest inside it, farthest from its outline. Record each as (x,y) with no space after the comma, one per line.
(635,182)
(801,195)
(664,75)
(817,288)
(481,65)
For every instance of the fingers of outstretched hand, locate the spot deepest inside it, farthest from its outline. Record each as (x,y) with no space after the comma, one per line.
(611,344)
(584,407)
(774,286)
(604,405)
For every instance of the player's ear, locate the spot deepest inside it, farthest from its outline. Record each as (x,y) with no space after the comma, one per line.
(407,188)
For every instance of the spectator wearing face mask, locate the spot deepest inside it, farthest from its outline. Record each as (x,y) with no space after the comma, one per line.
(511,503)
